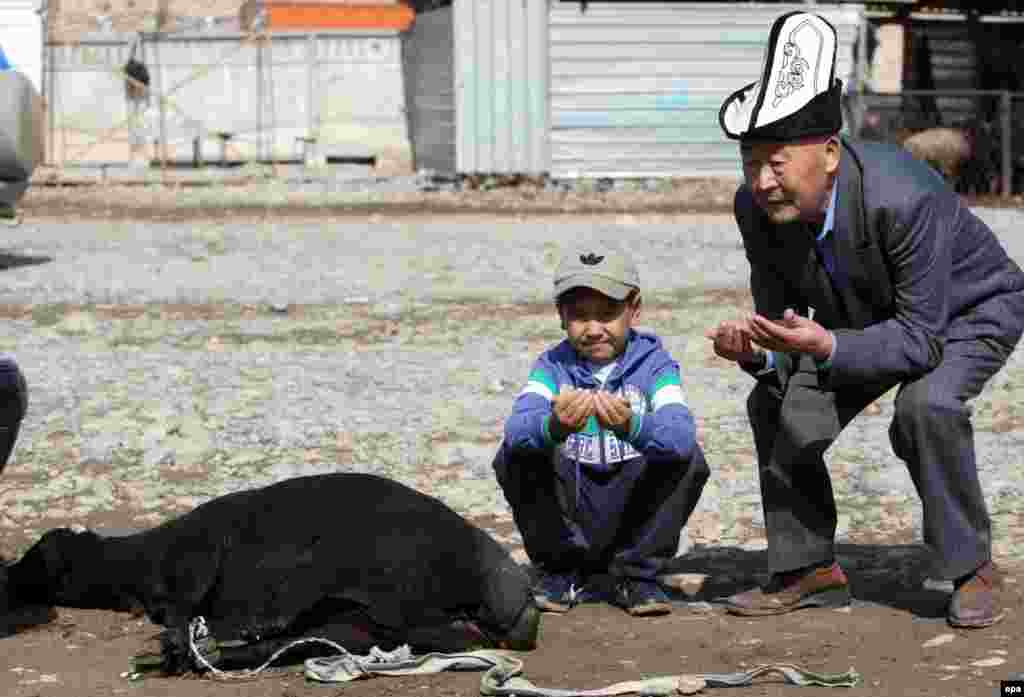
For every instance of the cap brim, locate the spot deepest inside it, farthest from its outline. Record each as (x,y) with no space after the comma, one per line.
(606,286)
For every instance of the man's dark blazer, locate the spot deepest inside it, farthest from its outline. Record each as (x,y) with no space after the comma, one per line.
(916,263)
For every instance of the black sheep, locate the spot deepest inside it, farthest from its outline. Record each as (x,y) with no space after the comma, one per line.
(354,558)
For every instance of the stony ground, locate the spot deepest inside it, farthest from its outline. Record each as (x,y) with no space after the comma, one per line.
(183,342)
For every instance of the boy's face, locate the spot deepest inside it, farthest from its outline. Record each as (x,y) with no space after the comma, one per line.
(597,326)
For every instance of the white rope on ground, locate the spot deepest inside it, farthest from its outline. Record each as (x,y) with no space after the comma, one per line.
(198,630)
(502,677)
(503,670)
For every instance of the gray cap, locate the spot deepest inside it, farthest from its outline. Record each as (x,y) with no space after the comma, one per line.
(608,271)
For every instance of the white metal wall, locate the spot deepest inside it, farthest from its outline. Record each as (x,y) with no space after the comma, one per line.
(21,37)
(344,89)
(501,85)
(636,88)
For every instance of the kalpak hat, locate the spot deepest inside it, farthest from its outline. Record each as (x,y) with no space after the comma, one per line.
(607,271)
(798,94)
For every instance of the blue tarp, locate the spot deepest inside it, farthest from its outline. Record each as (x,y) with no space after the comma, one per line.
(4,65)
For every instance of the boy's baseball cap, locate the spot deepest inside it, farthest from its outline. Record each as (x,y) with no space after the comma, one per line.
(608,271)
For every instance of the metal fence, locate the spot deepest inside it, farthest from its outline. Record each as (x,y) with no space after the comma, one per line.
(228,96)
(975,137)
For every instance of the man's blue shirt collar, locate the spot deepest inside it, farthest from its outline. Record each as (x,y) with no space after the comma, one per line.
(830,214)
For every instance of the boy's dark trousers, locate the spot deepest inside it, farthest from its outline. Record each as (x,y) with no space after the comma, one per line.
(13,404)
(626,522)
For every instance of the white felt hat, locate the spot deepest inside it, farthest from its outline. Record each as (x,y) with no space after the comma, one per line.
(798,94)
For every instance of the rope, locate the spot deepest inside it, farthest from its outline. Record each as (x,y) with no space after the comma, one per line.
(199,631)
(503,675)
(503,671)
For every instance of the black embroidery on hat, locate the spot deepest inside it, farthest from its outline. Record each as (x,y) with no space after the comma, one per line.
(800,66)
(766,76)
(591,259)
(794,69)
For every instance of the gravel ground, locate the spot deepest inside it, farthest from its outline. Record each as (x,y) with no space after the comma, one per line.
(182,343)
(173,361)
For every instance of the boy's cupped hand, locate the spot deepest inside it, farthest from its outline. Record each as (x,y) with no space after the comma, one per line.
(613,412)
(572,407)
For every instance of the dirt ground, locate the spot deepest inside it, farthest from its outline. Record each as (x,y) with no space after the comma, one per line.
(895,635)
(179,201)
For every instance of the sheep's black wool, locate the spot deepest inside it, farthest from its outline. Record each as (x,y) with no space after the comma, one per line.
(354,558)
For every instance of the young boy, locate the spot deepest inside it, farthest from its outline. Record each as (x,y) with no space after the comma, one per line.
(600,462)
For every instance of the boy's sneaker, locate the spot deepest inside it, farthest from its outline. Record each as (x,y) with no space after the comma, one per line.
(641,597)
(558,592)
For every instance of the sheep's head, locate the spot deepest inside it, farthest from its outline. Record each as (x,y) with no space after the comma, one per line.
(5,599)
(56,569)
(27,586)
(9,619)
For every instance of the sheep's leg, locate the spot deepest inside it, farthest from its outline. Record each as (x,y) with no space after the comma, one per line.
(174,650)
(185,577)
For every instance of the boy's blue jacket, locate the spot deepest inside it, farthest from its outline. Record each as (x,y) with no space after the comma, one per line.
(662,427)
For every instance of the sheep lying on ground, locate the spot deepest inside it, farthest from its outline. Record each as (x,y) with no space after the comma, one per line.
(966,156)
(357,559)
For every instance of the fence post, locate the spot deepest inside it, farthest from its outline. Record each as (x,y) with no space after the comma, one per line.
(856,110)
(259,94)
(310,81)
(162,87)
(1006,114)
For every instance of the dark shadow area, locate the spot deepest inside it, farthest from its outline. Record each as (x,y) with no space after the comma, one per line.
(13,261)
(24,618)
(889,575)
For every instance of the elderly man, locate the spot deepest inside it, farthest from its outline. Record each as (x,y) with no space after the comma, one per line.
(867,272)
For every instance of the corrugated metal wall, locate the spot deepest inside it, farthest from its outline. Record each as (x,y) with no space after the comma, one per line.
(501,85)
(21,37)
(344,89)
(636,88)
(429,75)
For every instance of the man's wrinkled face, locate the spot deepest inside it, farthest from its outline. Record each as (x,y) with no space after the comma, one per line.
(791,181)
(597,326)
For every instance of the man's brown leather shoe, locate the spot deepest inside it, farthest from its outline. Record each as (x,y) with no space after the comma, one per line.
(825,586)
(974,604)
